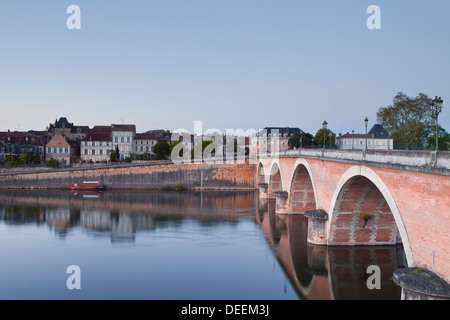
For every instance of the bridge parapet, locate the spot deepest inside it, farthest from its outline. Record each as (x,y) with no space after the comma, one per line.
(412,158)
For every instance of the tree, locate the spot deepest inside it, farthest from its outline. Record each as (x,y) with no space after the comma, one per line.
(443,140)
(301,140)
(410,121)
(173,145)
(326,136)
(161,150)
(52,163)
(117,153)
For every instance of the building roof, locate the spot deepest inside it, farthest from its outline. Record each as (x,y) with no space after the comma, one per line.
(123,127)
(70,141)
(377,132)
(101,129)
(98,136)
(25,138)
(62,122)
(146,136)
(79,129)
(285,131)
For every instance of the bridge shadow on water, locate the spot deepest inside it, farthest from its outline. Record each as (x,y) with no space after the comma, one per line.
(328,272)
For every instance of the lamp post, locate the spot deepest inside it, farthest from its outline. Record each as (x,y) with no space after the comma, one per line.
(366,121)
(437,104)
(353,136)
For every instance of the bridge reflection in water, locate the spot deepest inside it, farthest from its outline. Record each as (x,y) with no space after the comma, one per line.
(324,272)
(315,272)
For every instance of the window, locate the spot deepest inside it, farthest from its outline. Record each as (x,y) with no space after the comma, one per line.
(85,151)
(101,151)
(93,152)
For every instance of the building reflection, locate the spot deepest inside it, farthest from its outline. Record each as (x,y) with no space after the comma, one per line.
(120,215)
(327,273)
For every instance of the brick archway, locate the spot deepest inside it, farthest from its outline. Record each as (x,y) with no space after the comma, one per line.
(261,175)
(275,179)
(363,212)
(302,193)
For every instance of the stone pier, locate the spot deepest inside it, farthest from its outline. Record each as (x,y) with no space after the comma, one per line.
(317,226)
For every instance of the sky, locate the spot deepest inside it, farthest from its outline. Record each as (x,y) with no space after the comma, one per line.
(232,64)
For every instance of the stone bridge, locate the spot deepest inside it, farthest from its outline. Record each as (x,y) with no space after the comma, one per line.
(373,198)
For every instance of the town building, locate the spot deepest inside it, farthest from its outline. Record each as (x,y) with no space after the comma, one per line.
(273,137)
(143,145)
(68,129)
(63,149)
(377,139)
(123,136)
(97,145)
(22,143)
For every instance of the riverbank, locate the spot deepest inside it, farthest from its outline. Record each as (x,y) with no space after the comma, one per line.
(167,176)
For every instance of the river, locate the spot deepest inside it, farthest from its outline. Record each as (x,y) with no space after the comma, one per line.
(175,246)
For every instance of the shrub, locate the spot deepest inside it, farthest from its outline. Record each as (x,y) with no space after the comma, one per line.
(52,163)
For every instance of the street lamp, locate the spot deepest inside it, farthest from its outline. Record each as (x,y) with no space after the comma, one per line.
(324,125)
(437,104)
(353,136)
(366,121)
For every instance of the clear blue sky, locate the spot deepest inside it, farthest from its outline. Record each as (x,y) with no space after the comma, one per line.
(230,63)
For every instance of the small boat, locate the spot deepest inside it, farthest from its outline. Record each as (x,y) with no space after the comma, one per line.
(88,186)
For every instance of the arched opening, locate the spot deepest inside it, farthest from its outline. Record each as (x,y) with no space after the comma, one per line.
(260,176)
(362,216)
(302,196)
(275,184)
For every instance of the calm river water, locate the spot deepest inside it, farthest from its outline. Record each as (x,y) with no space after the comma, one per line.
(175,246)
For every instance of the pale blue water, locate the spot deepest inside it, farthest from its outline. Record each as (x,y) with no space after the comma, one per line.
(140,245)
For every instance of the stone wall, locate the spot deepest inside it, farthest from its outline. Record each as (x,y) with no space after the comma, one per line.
(206,176)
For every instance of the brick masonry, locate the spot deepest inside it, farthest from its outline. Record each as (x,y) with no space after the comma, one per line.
(411,205)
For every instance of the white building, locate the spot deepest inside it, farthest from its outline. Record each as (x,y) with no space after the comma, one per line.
(97,145)
(123,136)
(272,139)
(377,139)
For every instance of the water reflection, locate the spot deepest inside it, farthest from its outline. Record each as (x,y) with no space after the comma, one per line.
(314,272)
(319,272)
(120,215)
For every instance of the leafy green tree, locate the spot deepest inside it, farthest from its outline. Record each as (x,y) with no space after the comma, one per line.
(443,140)
(326,136)
(410,120)
(211,145)
(161,150)
(173,145)
(301,140)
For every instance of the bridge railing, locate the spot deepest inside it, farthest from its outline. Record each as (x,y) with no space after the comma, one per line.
(417,158)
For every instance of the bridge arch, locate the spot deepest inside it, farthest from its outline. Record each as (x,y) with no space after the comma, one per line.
(260,174)
(302,190)
(364,212)
(275,178)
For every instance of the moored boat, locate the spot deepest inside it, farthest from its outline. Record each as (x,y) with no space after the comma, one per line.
(88,186)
